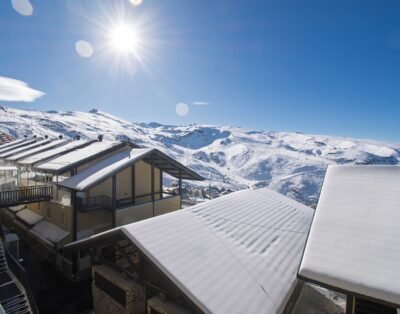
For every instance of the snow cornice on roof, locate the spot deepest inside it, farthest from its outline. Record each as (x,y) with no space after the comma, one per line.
(354,240)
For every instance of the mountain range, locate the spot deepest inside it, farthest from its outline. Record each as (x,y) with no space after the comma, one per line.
(229,157)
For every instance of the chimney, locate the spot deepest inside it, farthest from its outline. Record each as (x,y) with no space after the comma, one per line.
(100,137)
(78,137)
(60,137)
(35,136)
(25,136)
(46,136)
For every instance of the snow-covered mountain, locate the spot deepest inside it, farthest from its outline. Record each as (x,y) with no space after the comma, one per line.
(229,157)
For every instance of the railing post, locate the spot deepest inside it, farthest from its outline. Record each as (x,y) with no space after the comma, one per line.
(180,188)
(114,199)
(152,182)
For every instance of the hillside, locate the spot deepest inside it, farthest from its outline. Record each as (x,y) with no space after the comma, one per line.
(229,157)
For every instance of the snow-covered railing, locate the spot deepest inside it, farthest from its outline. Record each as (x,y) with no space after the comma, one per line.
(25,195)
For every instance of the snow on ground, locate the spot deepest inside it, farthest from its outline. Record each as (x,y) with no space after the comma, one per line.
(229,157)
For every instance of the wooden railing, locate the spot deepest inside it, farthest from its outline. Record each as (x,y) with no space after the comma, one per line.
(24,195)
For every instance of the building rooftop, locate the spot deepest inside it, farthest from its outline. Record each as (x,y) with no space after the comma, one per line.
(354,241)
(51,144)
(78,156)
(106,168)
(43,156)
(17,150)
(235,254)
(18,143)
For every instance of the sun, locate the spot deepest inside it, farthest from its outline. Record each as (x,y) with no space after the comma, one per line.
(125,38)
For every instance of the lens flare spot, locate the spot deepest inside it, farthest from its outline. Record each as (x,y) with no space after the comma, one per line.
(182,109)
(23,7)
(84,49)
(136,2)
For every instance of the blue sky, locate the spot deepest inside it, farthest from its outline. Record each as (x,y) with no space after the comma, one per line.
(327,67)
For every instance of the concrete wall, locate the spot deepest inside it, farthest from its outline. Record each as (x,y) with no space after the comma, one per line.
(93,222)
(167,205)
(144,211)
(104,304)
(132,214)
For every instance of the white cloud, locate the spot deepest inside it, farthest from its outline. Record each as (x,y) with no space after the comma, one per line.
(15,90)
(200,103)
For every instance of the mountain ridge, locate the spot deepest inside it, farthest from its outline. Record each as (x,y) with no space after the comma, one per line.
(229,157)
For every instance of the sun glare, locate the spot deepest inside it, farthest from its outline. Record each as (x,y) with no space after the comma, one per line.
(124,38)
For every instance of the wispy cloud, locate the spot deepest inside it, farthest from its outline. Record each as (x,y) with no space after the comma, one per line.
(200,103)
(15,90)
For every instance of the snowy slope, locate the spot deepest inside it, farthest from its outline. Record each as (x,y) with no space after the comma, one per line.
(230,157)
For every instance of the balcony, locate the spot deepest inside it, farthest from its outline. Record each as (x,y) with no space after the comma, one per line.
(25,195)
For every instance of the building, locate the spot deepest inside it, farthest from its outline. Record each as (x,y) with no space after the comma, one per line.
(235,254)
(67,190)
(354,242)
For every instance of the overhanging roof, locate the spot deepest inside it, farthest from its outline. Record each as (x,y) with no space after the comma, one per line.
(354,241)
(104,169)
(235,254)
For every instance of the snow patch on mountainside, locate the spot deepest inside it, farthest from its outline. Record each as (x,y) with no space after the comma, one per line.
(229,157)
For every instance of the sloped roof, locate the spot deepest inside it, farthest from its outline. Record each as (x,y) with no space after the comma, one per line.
(18,143)
(235,254)
(51,144)
(11,143)
(79,156)
(43,156)
(354,241)
(18,150)
(106,168)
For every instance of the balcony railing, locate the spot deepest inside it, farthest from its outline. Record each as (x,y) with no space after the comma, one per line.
(25,195)
(95,202)
(105,202)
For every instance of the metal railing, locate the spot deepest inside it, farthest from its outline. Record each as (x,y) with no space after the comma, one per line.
(26,194)
(95,202)
(106,202)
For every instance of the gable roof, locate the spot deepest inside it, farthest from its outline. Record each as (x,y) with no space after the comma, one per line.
(29,152)
(80,156)
(48,154)
(354,241)
(235,254)
(106,168)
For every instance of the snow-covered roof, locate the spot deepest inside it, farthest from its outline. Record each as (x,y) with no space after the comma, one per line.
(106,168)
(29,216)
(49,232)
(8,168)
(64,162)
(12,143)
(24,148)
(53,152)
(235,254)
(16,144)
(38,149)
(354,240)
